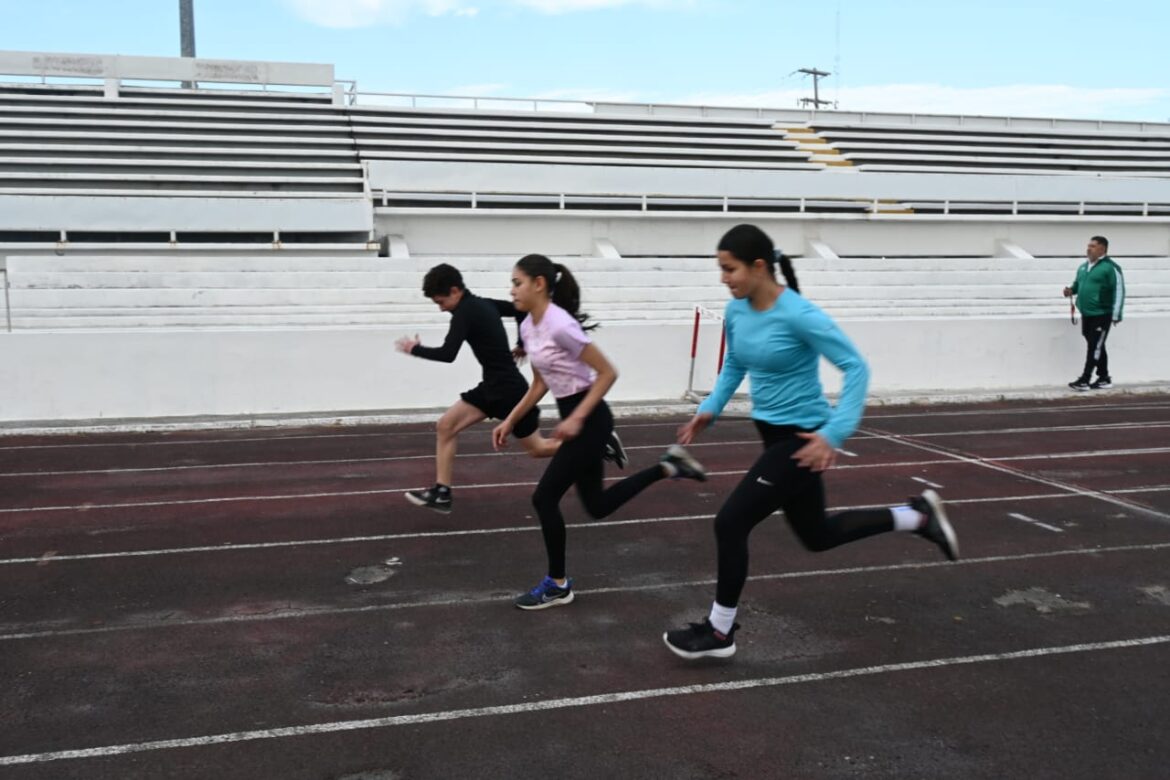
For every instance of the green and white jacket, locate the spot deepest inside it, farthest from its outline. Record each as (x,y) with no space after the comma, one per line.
(1100,289)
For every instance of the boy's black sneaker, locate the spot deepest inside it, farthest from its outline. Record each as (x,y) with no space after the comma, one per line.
(937,528)
(1102,384)
(701,640)
(614,451)
(546,594)
(684,466)
(1079,384)
(431,498)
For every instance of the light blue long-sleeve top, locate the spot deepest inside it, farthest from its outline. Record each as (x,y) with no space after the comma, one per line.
(780,349)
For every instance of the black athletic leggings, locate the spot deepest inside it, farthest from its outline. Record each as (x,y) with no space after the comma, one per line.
(776,481)
(578,462)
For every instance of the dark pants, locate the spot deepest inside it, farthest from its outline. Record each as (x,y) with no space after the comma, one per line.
(1095,329)
(579,462)
(774,482)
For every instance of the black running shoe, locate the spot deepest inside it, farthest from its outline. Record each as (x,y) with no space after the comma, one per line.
(546,594)
(937,528)
(615,453)
(1102,384)
(701,640)
(431,498)
(1080,384)
(684,466)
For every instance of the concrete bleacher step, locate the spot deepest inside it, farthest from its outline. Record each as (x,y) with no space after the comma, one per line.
(148,263)
(272,137)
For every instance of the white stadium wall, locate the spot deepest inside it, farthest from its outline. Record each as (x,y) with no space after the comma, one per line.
(107,376)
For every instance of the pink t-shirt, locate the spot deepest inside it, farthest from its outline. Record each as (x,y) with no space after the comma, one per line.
(554,346)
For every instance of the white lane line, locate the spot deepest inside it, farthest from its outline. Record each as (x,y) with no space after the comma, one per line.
(517,453)
(496,598)
(927,482)
(233,547)
(545,705)
(947,458)
(430,456)
(1034,521)
(1054,408)
(1079,454)
(727,418)
(1053,429)
(995,466)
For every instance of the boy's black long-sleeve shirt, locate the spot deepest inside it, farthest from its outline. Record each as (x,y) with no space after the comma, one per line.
(476,321)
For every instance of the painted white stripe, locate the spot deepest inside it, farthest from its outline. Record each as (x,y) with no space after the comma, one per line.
(948,458)
(463,456)
(430,456)
(494,598)
(847,453)
(230,547)
(995,466)
(1054,408)
(927,482)
(1081,454)
(545,705)
(1034,521)
(1046,429)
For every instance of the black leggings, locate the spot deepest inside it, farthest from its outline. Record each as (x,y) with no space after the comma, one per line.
(776,481)
(579,462)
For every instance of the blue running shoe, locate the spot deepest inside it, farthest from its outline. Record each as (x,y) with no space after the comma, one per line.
(546,594)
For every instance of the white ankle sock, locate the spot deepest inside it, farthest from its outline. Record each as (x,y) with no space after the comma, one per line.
(722,618)
(670,469)
(907,519)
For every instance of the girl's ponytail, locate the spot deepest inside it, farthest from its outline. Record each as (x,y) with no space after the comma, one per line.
(561,285)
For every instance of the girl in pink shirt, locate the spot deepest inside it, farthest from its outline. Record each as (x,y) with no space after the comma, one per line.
(565,361)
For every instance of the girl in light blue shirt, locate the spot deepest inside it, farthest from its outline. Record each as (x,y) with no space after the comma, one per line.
(777,338)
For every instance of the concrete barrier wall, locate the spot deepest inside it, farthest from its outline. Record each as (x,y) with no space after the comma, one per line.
(169,373)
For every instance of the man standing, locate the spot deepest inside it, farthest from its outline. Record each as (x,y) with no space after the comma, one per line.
(1100,291)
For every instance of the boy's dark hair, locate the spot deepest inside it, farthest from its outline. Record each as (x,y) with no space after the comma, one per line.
(1102,241)
(440,279)
(561,285)
(747,243)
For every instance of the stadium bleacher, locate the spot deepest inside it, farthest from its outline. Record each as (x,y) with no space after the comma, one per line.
(50,293)
(894,148)
(128,209)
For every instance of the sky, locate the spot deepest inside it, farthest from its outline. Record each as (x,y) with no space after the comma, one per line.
(1070,59)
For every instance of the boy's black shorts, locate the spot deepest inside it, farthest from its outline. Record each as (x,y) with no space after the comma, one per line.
(499,404)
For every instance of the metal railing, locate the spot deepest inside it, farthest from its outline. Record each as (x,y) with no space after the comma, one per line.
(625,201)
(352,97)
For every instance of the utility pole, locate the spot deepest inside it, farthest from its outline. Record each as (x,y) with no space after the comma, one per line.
(816,98)
(187,32)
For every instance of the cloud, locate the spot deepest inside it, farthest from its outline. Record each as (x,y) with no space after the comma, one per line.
(1034,100)
(569,6)
(348,14)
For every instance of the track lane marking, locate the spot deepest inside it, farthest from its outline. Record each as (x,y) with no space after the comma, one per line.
(546,705)
(1034,521)
(994,465)
(497,598)
(236,547)
(948,458)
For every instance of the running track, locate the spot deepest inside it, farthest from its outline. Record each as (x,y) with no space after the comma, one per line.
(264,604)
